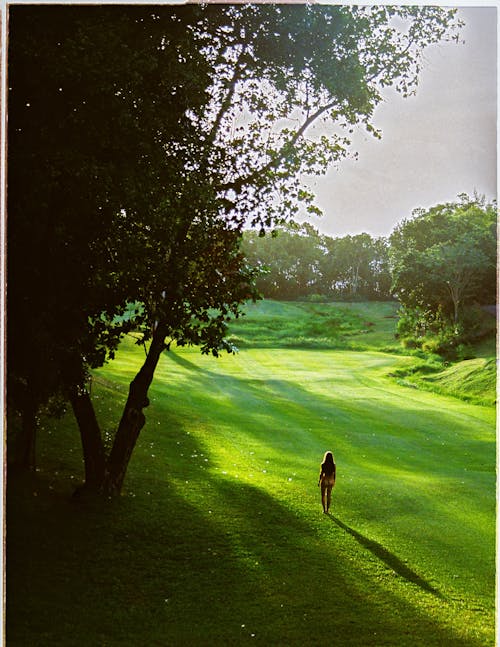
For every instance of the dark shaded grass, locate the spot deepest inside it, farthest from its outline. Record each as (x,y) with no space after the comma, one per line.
(392,561)
(258,574)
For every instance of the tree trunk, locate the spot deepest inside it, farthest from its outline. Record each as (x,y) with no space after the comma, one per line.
(133,419)
(92,445)
(354,280)
(456,304)
(455,297)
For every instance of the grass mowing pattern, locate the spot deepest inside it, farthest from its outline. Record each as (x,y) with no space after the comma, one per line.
(219,538)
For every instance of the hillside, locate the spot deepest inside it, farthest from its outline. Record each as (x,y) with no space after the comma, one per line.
(473,380)
(294,324)
(368,326)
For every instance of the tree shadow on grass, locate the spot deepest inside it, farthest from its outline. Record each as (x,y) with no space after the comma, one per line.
(388,558)
(163,568)
(183,362)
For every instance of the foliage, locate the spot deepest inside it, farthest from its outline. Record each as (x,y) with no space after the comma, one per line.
(94,185)
(298,262)
(84,148)
(436,264)
(443,263)
(356,267)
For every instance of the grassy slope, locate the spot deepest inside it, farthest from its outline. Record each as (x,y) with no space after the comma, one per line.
(219,537)
(367,326)
(354,326)
(473,380)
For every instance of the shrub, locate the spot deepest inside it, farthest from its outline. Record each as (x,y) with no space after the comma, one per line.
(411,342)
(316,298)
(465,351)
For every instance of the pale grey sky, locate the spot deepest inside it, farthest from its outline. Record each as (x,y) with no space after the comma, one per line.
(435,145)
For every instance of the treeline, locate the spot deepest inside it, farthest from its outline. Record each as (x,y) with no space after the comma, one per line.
(439,264)
(298,262)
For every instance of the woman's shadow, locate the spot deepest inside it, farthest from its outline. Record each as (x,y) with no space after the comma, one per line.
(388,558)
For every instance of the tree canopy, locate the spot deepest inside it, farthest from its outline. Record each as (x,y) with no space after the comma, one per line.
(141,141)
(444,260)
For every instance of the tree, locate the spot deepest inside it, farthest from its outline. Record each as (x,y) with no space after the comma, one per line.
(381,278)
(457,269)
(355,267)
(351,259)
(145,142)
(443,260)
(84,146)
(288,260)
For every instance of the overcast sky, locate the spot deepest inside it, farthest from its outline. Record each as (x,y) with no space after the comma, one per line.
(434,146)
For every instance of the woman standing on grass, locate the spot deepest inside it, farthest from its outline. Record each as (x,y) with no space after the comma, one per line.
(327,474)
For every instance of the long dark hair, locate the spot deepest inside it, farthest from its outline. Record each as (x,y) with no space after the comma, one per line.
(328,464)
(328,458)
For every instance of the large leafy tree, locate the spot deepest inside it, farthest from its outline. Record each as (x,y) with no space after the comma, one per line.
(444,259)
(141,142)
(86,174)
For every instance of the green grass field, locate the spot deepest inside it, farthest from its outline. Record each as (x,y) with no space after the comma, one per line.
(219,537)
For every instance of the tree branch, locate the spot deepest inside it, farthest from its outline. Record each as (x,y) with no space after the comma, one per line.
(237,184)
(226,103)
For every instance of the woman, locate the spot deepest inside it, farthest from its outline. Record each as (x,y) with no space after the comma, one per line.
(327,480)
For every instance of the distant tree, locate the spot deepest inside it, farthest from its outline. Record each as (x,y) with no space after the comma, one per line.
(352,257)
(457,270)
(298,262)
(356,267)
(143,144)
(381,277)
(288,260)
